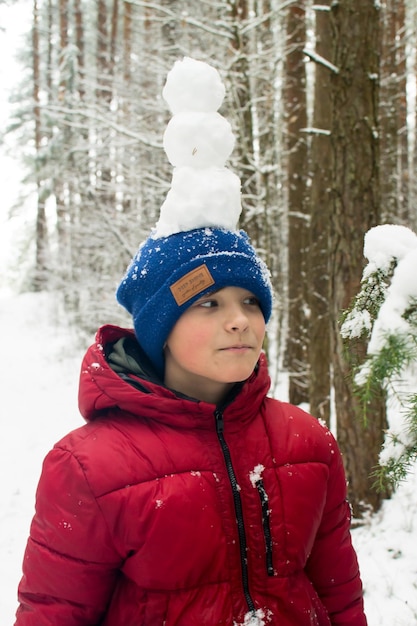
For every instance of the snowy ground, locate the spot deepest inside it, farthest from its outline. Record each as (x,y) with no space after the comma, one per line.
(39,378)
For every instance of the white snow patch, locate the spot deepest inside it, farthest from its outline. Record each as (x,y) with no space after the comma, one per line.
(385,242)
(256,474)
(255,619)
(403,287)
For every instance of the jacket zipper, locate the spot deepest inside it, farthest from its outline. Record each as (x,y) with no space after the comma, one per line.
(266,526)
(238,510)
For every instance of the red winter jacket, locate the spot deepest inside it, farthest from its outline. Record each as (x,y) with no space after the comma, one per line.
(165,511)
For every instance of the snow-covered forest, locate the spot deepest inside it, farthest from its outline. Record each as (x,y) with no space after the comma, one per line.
(321,99)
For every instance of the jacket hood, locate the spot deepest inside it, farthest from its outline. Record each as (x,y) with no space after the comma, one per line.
(114,379)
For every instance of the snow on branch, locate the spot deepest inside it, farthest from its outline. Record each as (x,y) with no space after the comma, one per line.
(317,58)
(385,312)
(185,17)
(311,130)
(96,116)
(321,7)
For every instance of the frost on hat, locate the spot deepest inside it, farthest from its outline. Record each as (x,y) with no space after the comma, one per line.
(195,246)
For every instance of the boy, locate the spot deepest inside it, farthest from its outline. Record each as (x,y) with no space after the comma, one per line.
(190,498)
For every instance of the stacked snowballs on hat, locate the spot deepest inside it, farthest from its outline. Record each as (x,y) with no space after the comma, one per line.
(195,247)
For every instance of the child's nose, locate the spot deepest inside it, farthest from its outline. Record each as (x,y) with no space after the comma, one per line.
(237,320)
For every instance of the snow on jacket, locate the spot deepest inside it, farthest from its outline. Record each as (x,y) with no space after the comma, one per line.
(166,511)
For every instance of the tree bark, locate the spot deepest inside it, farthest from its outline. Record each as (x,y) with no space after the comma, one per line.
(393,116)
(321,203)
(298,217)
(356,208)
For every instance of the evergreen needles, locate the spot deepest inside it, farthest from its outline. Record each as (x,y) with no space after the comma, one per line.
(385,311)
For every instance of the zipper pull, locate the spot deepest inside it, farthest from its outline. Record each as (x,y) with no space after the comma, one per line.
(219,420)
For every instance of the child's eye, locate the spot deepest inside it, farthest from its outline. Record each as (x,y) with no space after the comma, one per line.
(207,304)
(252,301)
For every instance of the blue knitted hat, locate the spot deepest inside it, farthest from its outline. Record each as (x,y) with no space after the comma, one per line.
(168,274)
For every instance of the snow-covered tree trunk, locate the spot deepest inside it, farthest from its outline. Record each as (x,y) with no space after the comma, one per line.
(402,111)
(40,278)
(393,111)
(243,102)
(295,97)
(253,73)
(412,17)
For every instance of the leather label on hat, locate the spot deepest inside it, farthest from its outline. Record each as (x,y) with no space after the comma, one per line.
(191,284)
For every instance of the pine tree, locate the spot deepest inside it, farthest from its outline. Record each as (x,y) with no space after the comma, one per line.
(385,312)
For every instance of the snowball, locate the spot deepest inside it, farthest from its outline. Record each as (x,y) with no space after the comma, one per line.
(193,86)
(199,198)
(198,140)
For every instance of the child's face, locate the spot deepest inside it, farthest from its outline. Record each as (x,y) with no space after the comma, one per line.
(214,344)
